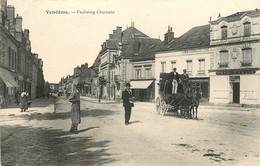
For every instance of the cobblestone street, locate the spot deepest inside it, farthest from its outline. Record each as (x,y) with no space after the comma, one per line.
(40,136)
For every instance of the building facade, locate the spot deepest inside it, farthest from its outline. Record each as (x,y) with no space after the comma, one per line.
(20,69)
(235,62)
(192,52)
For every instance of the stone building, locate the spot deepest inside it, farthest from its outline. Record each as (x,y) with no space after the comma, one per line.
(20,68)
(115,68)
(192,52)
(235,62)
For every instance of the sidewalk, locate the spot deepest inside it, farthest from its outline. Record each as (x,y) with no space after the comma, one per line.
(10,115)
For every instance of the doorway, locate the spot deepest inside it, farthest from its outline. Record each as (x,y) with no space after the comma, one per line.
(236,92)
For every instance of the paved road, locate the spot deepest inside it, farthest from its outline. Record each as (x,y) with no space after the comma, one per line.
(221,136)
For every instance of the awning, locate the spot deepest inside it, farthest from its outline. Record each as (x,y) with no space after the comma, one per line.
(7,78)
(140,84)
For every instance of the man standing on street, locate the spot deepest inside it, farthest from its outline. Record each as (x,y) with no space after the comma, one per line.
(75,109)
(126,95)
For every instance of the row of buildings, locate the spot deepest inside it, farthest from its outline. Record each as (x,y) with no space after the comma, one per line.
(20,69)
(222,59)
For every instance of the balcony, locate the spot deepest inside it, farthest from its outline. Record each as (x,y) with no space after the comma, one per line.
(223,64)
(117,78)
(246,63)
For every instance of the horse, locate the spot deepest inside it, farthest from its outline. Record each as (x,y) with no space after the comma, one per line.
(196,98)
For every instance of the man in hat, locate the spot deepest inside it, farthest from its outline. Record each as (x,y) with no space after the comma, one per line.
(74,98)
(174,80)
(185,80)
(126,95)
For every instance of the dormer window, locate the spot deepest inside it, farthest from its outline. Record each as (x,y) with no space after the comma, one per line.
(224,32)
(247,28)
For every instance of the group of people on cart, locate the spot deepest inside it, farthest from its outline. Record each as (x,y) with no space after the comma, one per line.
(173,82)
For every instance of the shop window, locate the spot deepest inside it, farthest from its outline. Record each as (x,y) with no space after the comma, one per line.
(223,59)
(247,29)
(246,57)
(224,32)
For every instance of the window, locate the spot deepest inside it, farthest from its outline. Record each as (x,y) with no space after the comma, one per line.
(247,57)
(189,67)
(223,58)
(224,32)
(163,69)
(173,64)
(10,58)
(13,60)
(201,66)
(2,53)
(137,73)
(247,29)
(148,73)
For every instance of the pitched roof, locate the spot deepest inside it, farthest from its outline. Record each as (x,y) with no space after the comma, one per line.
(197,37)
(237,16)
(130,32)
(127,34)
(147,48)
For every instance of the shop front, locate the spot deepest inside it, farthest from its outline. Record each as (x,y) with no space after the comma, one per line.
(143,90)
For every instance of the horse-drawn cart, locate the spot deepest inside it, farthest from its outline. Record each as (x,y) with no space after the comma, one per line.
(173,102)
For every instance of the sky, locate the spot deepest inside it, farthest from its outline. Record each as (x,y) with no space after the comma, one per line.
(65,41)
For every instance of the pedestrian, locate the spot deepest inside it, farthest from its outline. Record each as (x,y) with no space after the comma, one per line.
(126,96)
(23,102)
(74,98)
(17,97)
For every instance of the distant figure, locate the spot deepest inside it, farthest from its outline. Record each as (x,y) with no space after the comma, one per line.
(185,81)
(74,98)
(23,102)
(174,80)
(126,95)
(17,97)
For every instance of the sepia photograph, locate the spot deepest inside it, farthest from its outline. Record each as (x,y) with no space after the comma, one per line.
(130,83)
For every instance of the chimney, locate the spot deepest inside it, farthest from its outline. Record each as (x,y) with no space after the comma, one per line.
(36,56)
(18,28)
(3,6)
(169,36)
(132,24)
(10,13)
(18,23)
(219,15)
(210,18)
(117,33)
(26,33)
(110,36)
(27,39)
(136,44)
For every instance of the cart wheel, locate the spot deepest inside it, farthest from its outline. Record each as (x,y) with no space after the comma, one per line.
(158,105)
(164,107)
